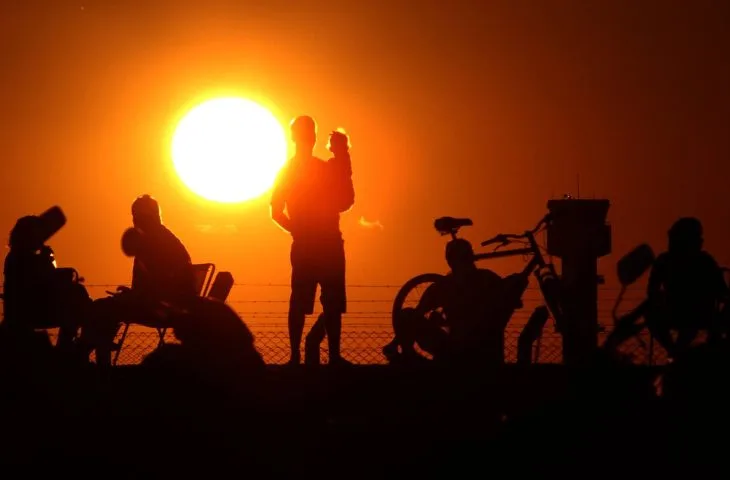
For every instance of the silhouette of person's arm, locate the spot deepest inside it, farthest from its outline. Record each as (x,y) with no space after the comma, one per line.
(278,202)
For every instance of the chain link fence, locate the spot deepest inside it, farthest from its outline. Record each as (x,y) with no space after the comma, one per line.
(363,345)
(367,328)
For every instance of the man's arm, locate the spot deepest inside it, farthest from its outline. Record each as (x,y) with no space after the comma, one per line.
(278,204)
(279,217)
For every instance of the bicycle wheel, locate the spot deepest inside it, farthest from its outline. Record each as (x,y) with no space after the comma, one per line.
(416,285)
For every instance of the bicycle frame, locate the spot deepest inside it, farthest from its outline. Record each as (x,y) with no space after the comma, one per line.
(547,277)
(537,259)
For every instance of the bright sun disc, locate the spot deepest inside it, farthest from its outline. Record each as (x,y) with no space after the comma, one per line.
(229,149)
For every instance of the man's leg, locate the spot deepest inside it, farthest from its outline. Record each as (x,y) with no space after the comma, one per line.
(313,341)
(301,301)
(333,326)
(99,332)
(296,328)
(334,300)
(74,310)
(106,318)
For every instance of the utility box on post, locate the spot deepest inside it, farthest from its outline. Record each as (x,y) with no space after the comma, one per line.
(579,236)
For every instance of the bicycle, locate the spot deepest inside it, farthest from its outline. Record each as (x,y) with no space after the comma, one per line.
(545,273)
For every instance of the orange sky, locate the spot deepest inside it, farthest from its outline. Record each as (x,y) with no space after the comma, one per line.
(464,108)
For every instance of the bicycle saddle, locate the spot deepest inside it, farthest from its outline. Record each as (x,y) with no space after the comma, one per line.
(446,225)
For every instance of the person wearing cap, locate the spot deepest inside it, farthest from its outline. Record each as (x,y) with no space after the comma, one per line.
(475,304)
(307,200)
(162,265)
(162,272)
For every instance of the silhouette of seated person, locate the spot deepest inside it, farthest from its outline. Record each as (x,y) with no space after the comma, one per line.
(474,304)
(37,294)
(162,275)
(685,290)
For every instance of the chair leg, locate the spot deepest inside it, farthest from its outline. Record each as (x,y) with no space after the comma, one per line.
(120,344)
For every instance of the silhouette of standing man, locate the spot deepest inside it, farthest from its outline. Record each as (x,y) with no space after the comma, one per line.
(309,196)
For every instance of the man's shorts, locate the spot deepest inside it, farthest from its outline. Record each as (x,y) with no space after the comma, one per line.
(320,264)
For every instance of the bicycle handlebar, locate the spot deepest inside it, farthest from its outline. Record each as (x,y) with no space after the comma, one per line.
(504,238)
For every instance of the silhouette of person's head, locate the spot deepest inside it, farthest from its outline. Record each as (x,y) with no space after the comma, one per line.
(27,234)
(685,236)
(146,213)
(304,133)
(459,255)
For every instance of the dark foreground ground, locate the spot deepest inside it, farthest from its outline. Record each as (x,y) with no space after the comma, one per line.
(361,422)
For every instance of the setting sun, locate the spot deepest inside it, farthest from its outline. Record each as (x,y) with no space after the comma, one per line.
(229,149)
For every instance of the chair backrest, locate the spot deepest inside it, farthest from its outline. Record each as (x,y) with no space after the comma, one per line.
(221,287)
(203,277)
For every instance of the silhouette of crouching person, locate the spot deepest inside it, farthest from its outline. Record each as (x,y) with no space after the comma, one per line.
(483,347)
(215,343)
(37,294)
(475,304)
